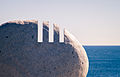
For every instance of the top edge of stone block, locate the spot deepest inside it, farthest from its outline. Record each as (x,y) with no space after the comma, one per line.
(21,22)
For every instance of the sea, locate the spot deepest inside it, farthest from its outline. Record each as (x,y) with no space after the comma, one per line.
(104,61)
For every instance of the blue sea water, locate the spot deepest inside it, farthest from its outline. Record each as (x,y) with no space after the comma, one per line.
(104,61)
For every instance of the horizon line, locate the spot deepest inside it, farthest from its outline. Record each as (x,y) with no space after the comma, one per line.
(100,45)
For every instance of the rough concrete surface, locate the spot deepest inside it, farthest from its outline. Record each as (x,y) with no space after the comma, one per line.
(22,56)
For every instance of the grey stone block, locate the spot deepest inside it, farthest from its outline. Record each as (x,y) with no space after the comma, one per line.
(22,56)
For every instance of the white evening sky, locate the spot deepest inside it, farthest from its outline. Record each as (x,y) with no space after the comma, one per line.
(92,22)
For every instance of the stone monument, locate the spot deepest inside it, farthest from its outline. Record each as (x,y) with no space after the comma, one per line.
(21,55)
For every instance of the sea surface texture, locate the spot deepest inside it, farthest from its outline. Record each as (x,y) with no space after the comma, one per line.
(104,61)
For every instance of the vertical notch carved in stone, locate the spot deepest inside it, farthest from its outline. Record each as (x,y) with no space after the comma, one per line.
(51,33)
(40,32)
(61,38)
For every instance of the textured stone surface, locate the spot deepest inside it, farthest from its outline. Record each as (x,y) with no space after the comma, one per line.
(22,56)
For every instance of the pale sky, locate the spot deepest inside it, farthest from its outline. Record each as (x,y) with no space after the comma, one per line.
(92,22)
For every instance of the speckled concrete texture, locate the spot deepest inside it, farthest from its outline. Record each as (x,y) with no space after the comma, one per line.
(22,56)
